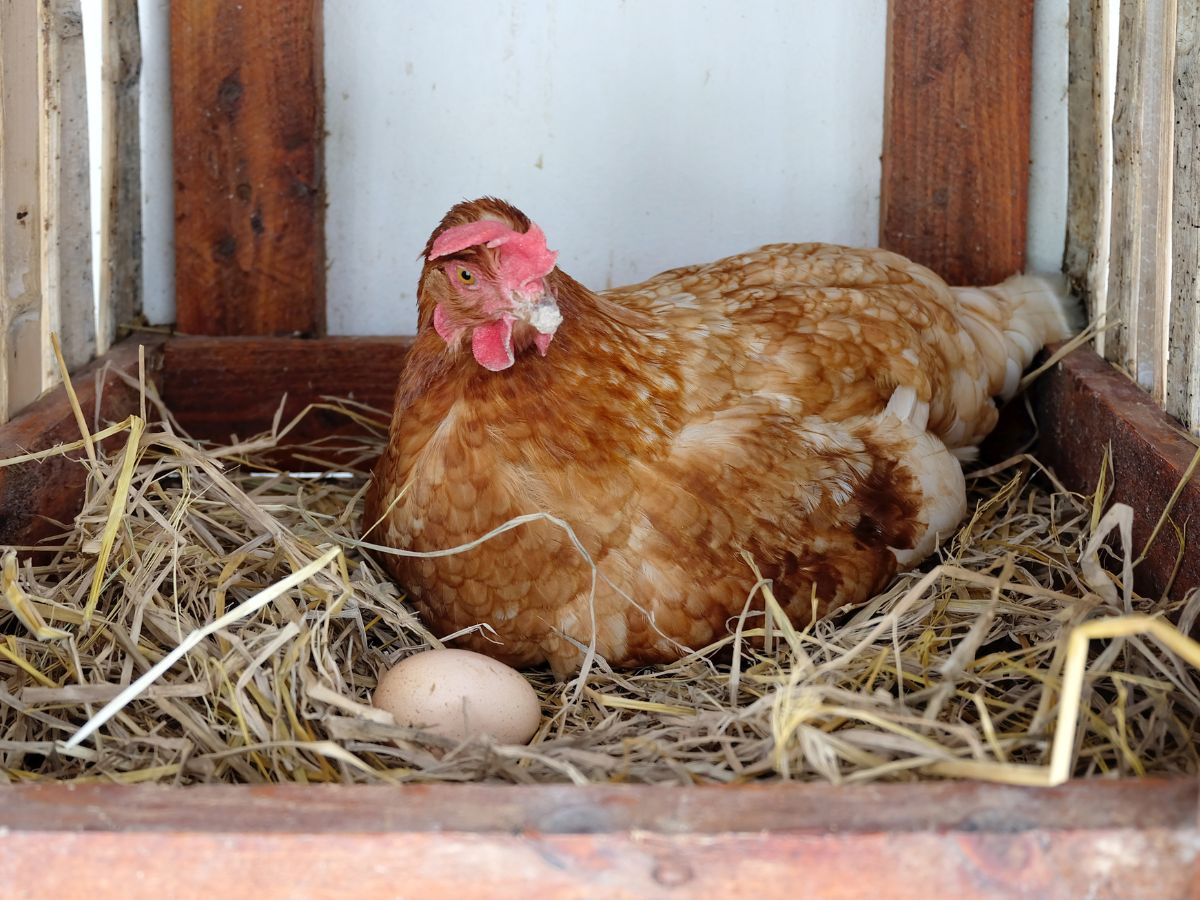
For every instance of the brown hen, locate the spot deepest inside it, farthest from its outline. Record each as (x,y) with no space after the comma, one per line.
(805,404)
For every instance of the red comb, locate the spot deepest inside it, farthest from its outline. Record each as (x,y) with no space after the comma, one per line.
(460,237)
(524,259)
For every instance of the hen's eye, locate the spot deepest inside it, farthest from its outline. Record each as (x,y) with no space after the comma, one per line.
(466,276)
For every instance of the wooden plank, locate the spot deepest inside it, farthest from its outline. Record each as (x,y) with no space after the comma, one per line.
(34,496)
(1089,157)
(956,136)
(249,199)
(929,840)
(1142,114)
(1183,358)
(218,387)
(68,304)
(1084,407)
(121,183)
(20,215)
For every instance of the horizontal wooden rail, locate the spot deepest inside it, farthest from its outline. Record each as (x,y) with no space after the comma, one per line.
(1122,838)
(1086,408)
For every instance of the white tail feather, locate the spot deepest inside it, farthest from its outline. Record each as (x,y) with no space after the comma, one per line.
(1010,322)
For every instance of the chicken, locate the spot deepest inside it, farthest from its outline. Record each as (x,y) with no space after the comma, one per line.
(803,406)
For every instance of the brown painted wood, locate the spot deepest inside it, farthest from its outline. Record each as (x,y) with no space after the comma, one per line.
(1084,406)
(34,497)
(218,387)
(956,136)
(249,197)
(932,840)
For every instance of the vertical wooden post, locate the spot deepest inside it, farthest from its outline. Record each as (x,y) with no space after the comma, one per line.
(45,224)
(1142,135)
(68,303)
(249,199)
(120,269)
(20,217)
(1089,159)
(1183,360)
(956,136)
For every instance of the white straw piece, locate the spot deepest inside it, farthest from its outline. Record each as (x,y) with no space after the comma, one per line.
(255,603)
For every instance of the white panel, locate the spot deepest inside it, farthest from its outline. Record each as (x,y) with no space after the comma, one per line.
(1047,231)
(639,135)
(158,182)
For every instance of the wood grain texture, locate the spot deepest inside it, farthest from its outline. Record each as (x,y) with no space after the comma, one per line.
(1089,140)
(931,840)
(218,387)
(121,182)
(36,496)
(1084,407)
(1183,355)
(249,197)
(956,136)
(1139,262)
(66,240)
(20,208)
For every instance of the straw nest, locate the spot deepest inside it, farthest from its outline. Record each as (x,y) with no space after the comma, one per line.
(209,618)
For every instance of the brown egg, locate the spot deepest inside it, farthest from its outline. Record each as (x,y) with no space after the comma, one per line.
(460,694)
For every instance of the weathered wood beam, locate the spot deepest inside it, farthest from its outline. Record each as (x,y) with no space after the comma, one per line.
(1183,352)
(249,199)
(956,136)
(1089,138)
(1084,408)
(219,387)
(120,270)
(20,208)
(1138,287)
(1099,838)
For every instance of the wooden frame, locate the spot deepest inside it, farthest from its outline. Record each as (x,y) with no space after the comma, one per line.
(896,840)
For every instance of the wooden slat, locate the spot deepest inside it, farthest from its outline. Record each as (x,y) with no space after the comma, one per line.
(20,214)
(249,201)
(956,136)
(1142,113)
(45,222)
(218,387)
(1183,360)
(1089,136)
(120,272)
(1084,407)
(33,496)
(68,304)
(930,840)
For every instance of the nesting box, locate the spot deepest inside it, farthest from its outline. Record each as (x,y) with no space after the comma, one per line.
(251,329)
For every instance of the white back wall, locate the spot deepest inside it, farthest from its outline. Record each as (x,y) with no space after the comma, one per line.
(639,135)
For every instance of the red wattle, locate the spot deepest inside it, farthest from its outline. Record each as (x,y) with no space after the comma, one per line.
(492,344)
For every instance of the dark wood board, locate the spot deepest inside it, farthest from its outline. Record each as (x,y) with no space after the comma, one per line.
(1116,838)
(35,496)
(956,136)
(249,196)
(218,387)
(1084,407)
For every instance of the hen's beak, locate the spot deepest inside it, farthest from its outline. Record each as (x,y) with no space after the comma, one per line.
(538,308)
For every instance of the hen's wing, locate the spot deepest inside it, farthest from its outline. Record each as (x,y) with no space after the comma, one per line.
(822,392)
